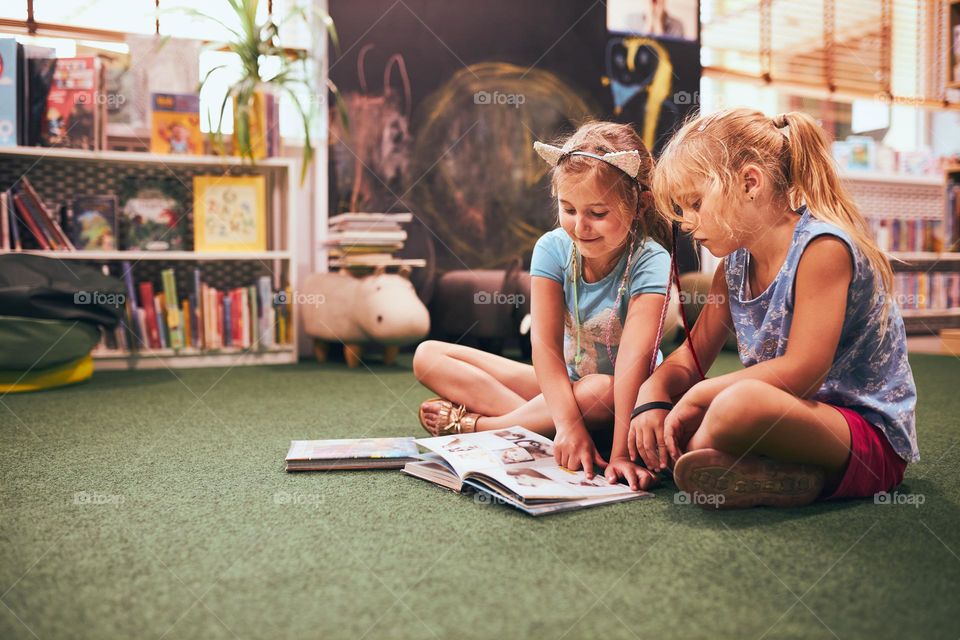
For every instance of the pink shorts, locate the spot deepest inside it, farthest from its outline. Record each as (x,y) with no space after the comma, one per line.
(874,466)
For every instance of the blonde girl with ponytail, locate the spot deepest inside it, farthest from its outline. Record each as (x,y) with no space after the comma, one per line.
(825,406)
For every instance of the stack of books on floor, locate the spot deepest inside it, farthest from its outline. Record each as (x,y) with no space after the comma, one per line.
(367,241)
(251,318)
(512,466)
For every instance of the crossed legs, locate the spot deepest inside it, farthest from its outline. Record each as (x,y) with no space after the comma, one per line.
(504,392)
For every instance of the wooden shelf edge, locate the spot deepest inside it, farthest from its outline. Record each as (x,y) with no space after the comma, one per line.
(110,256)
(55,153)
(167,359)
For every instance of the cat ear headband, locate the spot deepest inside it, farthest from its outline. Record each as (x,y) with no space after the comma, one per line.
(627,161)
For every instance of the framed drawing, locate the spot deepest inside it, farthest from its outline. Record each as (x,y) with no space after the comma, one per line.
(229,213)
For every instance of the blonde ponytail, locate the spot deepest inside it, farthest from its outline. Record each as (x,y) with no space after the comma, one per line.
(814,181)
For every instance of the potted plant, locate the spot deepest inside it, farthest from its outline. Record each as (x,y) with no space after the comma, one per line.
(253,42)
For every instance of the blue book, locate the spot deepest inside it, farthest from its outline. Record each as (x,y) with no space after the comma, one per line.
(226,320)
(132,319)
(10,81)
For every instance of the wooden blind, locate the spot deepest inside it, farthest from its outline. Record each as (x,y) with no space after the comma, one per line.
(884,49)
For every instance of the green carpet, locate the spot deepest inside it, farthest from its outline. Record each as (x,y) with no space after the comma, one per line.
(155,505)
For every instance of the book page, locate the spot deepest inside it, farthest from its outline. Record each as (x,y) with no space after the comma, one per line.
(520,460)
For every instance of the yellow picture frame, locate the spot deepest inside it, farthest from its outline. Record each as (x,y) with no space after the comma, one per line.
(229,213)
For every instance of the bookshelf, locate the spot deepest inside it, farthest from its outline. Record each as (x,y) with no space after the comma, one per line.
(921,201)
(61,174)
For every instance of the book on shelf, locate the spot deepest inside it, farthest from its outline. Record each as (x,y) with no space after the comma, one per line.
(92,222)
(514,466)
(153,212)
(75,113)
(354,453)
(28,217)
(907,234)
(253,317)
(175,124)
(11,92)
(938,291)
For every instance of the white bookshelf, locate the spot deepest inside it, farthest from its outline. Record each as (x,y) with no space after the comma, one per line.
(282,224)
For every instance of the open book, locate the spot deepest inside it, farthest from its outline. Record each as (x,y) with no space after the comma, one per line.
(515,466)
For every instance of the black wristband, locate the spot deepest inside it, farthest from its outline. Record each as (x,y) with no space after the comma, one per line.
(651,405)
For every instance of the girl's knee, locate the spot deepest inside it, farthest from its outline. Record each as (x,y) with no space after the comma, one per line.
(734,414)
(593,393)
(426,356)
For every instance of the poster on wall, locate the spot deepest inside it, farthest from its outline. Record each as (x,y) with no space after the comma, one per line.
(675,19)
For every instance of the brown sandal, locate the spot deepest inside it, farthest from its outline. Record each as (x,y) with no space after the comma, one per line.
(456,418)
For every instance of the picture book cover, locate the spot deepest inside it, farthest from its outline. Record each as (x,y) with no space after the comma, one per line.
(229,213)
(10,102)
(93,223)
(359,453)
(71,117)
(175,124)
(154,214)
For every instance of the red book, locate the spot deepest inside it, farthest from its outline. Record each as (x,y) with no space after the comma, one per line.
(27,217)
(235,311)
(146,301)
(71,118)
(49,220)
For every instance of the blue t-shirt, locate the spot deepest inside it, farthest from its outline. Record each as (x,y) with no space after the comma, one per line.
(870,372)
(649,272)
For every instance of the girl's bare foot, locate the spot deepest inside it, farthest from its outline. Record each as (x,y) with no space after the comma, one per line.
(441,417)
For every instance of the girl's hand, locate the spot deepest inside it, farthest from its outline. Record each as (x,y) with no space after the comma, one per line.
(574,449)
(636,476)
(684,420)
(646,439)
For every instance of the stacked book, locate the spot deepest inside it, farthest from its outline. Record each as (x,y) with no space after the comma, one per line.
(367,241)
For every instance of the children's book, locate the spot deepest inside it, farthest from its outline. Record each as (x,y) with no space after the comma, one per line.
(11,98)
(153,213)
(175,124)
(362,453)
(94,222)
(72,118)
(514,466)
